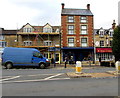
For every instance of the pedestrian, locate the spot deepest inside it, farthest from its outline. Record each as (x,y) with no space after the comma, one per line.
(65,62)
(89,58)
(100,60)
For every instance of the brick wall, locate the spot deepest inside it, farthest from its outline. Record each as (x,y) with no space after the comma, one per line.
(77,34)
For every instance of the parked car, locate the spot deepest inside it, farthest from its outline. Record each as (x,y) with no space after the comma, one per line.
(23,57)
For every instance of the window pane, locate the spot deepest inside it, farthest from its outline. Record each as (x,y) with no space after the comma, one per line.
(71,40)
(83,32)
(70,19)
(71,27)
(83,27)
(71,44)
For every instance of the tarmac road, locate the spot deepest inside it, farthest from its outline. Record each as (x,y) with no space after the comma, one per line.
(54,82)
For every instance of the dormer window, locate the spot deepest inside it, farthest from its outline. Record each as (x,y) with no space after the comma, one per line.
(57,31)
(111,33)
(47,30)
(101,33)
(27,29)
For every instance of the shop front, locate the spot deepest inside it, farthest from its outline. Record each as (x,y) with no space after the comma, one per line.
(105,54)
(78,54)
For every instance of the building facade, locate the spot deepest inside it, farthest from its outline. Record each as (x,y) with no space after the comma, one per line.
(103,42)
(77,33)
(7,39)
(44,38)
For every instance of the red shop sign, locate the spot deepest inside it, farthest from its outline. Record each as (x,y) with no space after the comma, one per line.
(101,50)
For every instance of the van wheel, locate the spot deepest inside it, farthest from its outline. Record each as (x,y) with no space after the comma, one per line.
(42,65)
(9,65)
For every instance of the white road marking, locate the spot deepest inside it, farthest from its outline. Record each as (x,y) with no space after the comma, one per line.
(53,76)
(9,78)
(20,81)
(34,80)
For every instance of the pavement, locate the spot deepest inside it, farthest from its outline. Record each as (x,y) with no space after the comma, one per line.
(84,74)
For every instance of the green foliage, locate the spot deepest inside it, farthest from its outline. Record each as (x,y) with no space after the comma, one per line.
(116,43)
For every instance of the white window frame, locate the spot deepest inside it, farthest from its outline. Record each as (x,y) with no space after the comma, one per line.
(70,29)
(70,18)
(27,43)
(2,37)
(101,33)
(3,43)
(83,29)
(47,43)
(111,33)
(102,42)
(71,42)
(27,29)
(47,30)
(84,42)
(83,19)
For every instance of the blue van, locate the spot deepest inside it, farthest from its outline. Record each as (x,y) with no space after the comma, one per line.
(23,57)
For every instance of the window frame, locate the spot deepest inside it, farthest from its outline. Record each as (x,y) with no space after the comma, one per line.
(83,19)
(102,43)
(84,42)
(82,29)
(3,43)
(27,43)
(70,30)
(71,19)
(71,42)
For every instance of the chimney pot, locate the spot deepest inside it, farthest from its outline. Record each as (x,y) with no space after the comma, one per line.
(88,6)
(114,24)
(63,5)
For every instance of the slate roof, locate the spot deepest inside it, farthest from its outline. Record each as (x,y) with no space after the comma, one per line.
(9,32)
(67,11)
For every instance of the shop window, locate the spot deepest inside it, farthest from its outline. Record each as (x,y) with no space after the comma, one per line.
(104,56)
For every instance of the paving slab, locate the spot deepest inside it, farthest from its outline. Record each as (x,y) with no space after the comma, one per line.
(113,73)
(93,75)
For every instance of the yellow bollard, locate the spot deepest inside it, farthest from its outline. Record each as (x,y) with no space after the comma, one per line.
(78,67)
(117,65)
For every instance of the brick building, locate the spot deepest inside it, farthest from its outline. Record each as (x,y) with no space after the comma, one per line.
(44,38)
(77,33)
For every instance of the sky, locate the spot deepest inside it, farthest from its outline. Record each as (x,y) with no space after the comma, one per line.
(16,13)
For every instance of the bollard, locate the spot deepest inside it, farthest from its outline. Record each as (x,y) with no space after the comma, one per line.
(117,65)
(78,67)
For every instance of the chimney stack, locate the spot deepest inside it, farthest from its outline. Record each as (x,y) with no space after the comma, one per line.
(114,24)
(63,5)
(88,6)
